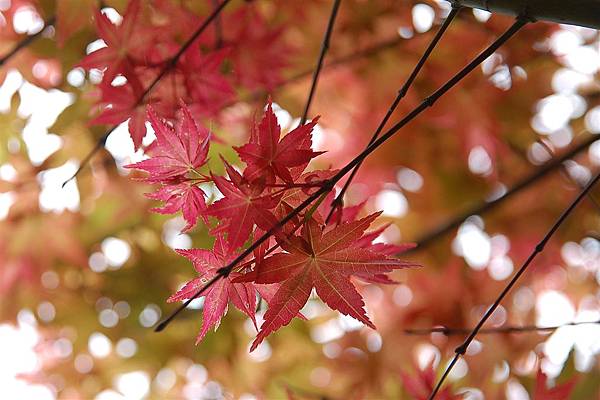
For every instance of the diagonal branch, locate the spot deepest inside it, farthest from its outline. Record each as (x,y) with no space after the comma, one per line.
(486,206)
(574,180)
(324,48)
(337,202)
(461,350)
(329,184)
(503,329)
(170,64)
(26,41)
(341,60)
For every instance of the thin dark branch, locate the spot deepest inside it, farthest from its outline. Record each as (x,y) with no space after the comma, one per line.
(460,350)
(26,41)
(170,64)
(329,184)
(322,53)
(486,206)
(573,179)
(348,58)
(337,202)
(503,329)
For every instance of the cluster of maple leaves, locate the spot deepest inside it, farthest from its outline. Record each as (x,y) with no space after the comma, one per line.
(146,45)
(284,270)
(307,252)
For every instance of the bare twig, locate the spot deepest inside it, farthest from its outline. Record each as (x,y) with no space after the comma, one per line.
(486,206)
(503,329)
(322,53)
(26,41)
(329,184)
(337,202)
(573,179)
(348,58)
(460,350)
(170,64)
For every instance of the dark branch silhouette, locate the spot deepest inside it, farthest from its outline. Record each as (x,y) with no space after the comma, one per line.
(170,64)
(488,331)
(329,184)
(322,53)
(486,206)
(338,201)
(573,179)
(460,350)
(26,41)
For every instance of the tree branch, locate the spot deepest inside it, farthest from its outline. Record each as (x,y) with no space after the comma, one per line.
(573,179)
(322,53)
(26,41)
(486,206)
(460,350)
(168,66)
(503,329)
(338,201)
(578,12)
(329,184)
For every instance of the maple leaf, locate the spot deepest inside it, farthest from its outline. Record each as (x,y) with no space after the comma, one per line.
(385,248)
(324,261)
(218,296)
(121,103)
(258,52)
(241,207)
(176,152)
(122,41)
(559,392)
(307,184)
(184,196)
(205,83)
(421,385)
(267,156)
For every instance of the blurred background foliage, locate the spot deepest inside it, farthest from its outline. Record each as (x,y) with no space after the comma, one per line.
(85,269)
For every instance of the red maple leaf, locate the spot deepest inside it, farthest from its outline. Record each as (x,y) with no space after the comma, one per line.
(242,206)
(217,297)
(204,81)
(177,151)
(268,157)
(559,392)
(184,196)
(421,385)
(258,52)
(122,43)
(325,261)
(120,103)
